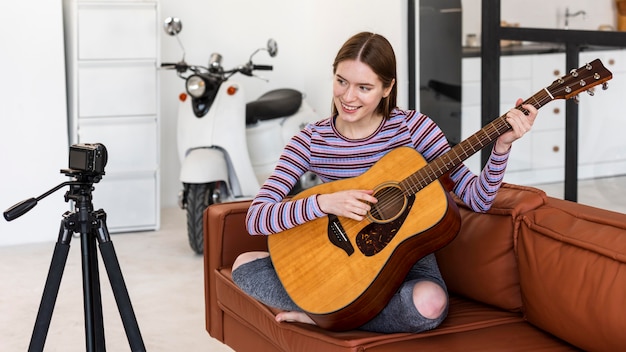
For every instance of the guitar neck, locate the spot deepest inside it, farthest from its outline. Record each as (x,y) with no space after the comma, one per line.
(468,147)
(578,80)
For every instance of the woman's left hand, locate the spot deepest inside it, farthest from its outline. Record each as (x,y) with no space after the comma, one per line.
(520,123)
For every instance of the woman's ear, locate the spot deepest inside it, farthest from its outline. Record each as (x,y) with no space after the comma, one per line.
(387,90)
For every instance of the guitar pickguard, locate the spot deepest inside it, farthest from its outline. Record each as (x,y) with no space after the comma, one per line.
(374,237)
(338,236)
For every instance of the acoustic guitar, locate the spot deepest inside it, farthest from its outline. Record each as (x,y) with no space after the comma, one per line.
(343,272)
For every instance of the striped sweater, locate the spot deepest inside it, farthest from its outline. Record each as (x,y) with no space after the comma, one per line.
(319,148)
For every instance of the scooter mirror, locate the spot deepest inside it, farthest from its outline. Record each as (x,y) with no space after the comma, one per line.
(272,47)
(172,25)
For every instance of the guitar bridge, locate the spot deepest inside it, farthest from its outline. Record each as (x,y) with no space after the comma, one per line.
(337,235)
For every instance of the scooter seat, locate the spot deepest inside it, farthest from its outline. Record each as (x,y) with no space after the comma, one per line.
(273,104)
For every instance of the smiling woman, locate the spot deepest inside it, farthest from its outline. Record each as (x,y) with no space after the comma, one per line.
(355,151)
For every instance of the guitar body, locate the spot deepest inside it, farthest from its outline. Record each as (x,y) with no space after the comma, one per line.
(342,272)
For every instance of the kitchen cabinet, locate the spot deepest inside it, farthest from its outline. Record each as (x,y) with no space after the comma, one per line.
(539,157)
(112,54)
(602,121)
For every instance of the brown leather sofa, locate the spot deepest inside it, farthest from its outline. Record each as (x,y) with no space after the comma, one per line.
(534,273)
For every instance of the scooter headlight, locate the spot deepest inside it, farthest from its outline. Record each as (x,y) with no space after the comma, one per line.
(196,86)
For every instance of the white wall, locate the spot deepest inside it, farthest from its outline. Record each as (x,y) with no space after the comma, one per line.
(308,32)
(33,118)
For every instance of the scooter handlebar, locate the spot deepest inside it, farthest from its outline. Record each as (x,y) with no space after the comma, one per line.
(263,67)
(179,66)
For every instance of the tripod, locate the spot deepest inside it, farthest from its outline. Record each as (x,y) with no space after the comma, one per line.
(92,228)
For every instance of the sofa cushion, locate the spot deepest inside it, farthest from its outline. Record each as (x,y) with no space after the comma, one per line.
(572,262)
(467,322)
(480,262)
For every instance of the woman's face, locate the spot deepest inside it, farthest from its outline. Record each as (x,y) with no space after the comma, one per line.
(357,90)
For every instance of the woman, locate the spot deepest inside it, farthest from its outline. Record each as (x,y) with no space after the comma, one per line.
(364,126)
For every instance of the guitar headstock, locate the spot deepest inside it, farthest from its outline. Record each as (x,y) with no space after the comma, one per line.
(579,80)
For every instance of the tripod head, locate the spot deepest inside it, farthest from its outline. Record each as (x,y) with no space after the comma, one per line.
(86,162)
(80,191)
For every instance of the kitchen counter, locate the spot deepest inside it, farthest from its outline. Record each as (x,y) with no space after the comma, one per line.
(529,49)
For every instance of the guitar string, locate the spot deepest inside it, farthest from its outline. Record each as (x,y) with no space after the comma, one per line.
(438,167)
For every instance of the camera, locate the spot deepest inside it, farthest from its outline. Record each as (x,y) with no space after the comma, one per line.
(90,158)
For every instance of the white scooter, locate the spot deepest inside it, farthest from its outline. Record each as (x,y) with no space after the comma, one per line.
(227,146)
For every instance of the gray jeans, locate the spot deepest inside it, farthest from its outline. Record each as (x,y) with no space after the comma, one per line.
(258,279)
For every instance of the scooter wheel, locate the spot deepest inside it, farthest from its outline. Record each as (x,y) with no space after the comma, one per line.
(199,197)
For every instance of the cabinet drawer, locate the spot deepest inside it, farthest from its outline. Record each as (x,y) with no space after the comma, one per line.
(510,91)
(131,142)
(471,69)
(516,67)
(112,89)
(130,201)
(547,68)
(551,117)
(515,80)
(548,148)
(511,67)
(118,31)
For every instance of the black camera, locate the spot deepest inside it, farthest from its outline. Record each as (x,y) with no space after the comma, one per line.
(88,158)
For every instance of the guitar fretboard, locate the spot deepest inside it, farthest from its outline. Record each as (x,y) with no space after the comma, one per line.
(467,148)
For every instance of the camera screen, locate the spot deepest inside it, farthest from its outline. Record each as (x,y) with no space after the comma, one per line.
(78,159)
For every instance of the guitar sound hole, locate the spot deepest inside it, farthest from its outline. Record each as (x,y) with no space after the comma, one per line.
(391,203)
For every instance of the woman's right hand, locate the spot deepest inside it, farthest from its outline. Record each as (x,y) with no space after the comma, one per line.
(353,204)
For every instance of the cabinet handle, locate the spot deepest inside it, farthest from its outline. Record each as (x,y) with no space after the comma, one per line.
(557,111)
(611,62)
(556,149)
(557,73)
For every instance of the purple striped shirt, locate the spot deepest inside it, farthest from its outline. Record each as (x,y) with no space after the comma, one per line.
(319,148)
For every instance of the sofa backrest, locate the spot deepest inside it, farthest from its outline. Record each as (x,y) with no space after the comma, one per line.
(480,263)
(572,265)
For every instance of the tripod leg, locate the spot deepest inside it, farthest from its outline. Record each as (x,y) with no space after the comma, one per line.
(94,325)
(120,291)
(51,288)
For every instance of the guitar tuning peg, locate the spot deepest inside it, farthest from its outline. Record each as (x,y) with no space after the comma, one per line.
(605,85)
(591,92)
(576,99)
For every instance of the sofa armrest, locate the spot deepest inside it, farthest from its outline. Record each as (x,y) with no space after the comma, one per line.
(225,237)
(572,264)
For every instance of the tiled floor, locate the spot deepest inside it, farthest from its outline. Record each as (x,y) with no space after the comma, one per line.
(165,283)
